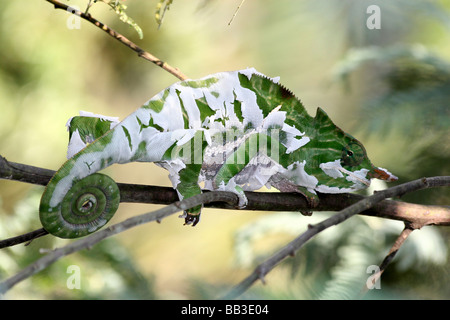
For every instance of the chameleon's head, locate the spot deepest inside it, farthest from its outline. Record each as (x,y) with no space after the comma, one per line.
(351,171)
(343,164)
(354,158)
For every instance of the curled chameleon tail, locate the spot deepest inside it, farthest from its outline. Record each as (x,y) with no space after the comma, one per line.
(234,131)
(88,205)
(76,203)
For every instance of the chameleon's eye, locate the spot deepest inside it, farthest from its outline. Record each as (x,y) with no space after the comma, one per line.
(352,155)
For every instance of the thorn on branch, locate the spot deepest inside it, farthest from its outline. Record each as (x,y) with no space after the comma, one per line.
(425,182)
(261,272)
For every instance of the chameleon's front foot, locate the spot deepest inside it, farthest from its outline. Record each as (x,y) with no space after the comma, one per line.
(312,200)
(192,216)
(191,219)
(243,201)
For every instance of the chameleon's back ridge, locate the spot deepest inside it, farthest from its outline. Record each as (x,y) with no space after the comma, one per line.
(234,131)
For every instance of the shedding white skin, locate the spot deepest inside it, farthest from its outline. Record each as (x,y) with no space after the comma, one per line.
(174,167)
(85,165)
(76,144)
(114,120)
(335,170)
(116,151)
(228,90)
(293,143)
(296,174)
(220,95)
(232,186)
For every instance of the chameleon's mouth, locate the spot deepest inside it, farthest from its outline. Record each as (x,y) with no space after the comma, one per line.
(383,174)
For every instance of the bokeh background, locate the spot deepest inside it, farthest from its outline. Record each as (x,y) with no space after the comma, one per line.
(389,87)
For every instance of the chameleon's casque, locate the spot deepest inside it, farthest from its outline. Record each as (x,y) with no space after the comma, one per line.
(234,131)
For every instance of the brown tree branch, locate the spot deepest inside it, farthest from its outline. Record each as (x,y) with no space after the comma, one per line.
(419,215)
(413,214)
(119,37)
(26,237)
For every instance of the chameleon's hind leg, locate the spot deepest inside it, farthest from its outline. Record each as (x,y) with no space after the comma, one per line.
(285,185)
(188,187)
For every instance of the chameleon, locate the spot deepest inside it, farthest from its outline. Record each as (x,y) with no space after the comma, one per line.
(232,131)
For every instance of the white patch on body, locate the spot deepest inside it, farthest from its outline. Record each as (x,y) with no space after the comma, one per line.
(76,144)
(335,170)
(296,173)
(231,187)
(257,173)
(174,167)
(331,168)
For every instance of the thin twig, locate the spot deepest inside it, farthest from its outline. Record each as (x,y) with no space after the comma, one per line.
(141,52)
(235,13)
(389,257)
(291,248)
(26,237)
(98,236)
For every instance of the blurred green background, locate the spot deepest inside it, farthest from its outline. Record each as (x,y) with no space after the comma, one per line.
(389,87)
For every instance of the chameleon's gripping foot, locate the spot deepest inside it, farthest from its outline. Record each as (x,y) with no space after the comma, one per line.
(190,219)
